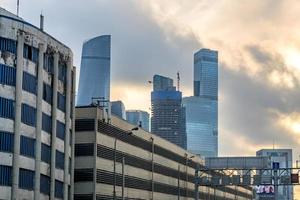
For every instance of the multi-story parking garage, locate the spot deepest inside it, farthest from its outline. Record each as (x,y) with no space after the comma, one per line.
(115,160)
(36,103)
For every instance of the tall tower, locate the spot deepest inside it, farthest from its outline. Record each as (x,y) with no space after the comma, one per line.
(168,115)
(94,81)
(202,108)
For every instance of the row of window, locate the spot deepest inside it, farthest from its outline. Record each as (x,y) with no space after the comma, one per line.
(27,148)
(26,181)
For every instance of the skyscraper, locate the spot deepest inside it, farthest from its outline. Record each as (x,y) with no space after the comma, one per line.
(94,79)
(37,81)
(138,118)
(118,109)
(168,115)
(202,108)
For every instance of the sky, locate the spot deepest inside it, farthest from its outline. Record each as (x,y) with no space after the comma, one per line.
(259,56)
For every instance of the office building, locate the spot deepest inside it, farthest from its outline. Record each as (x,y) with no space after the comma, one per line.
(139,118)
(285,159)
(202,108)
(201,125)
(168,115)
(114,159)
(94,81)
(37,89)
(118,109)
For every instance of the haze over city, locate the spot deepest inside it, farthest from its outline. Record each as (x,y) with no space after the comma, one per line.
(259,57)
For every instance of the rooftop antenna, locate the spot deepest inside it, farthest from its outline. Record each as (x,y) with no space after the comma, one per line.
(18,5)
(178,81)
(42,21)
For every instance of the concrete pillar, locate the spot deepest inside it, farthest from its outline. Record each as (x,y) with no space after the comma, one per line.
(73,136)
(53,136)
(67,130)
(17,124)
(38,133)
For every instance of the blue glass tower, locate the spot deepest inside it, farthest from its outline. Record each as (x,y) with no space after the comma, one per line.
(94,79)
(138,118)
(168,115)
(118,109)
(202,108)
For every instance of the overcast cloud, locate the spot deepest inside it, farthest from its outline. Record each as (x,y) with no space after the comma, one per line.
(259,53)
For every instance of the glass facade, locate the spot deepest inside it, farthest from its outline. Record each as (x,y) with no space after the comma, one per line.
(168,115)
(118,109)
(138,118)
(202,108)
(201,125)
(94,81)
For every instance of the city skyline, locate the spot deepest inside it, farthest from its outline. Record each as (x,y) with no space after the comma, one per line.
(258,68)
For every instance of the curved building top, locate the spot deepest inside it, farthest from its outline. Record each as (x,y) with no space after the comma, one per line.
(94,81)
(34,35)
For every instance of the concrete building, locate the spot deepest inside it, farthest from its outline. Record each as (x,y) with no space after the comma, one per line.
(202,108)
(285,159)
(118,109)
(94,81)
(139,118)
(168,115)
(37,84)
(114,159)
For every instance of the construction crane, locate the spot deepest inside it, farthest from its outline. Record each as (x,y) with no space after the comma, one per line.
(178,81)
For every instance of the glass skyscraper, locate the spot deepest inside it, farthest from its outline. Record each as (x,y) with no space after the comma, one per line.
(118,109)
(138,118)
(202,108)
(168,115)
(94,81)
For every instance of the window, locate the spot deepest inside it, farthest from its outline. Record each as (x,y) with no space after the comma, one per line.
(5,175)
(45,184)
(26,179)
(7,109)
(46,153)
(59,193)
(48,63)
(30,53)
(60,160)
(46,123)
(6,141)
(47,93)
(7,75)
(8,45)
(29,83)
(27,146)
(61,102)
(62,71)
(28,115)
(60,130)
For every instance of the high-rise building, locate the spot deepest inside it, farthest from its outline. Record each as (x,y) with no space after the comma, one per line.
(202,108)
(201,125)
(168,115)
(118,109)
(94,81)
(139,118)
(37,90)
(285,159)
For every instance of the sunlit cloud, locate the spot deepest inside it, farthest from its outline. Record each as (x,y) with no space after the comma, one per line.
(290,122)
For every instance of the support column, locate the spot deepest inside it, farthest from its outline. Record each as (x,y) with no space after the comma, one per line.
(73,136)
(67,130)
(17,124)
(152,168)
(53,136)
(39,110)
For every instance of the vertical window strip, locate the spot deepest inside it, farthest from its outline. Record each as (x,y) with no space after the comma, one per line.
(7,75)
(7,108)
(46,123)
(46,153)
(45,184)
(61,102)
(29,83)
(59,193)
(28,115)
(47,93)
(60,160)
(5,175)
(27,146)
(26,179)
(48,63)
(60,130)
(6,141)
